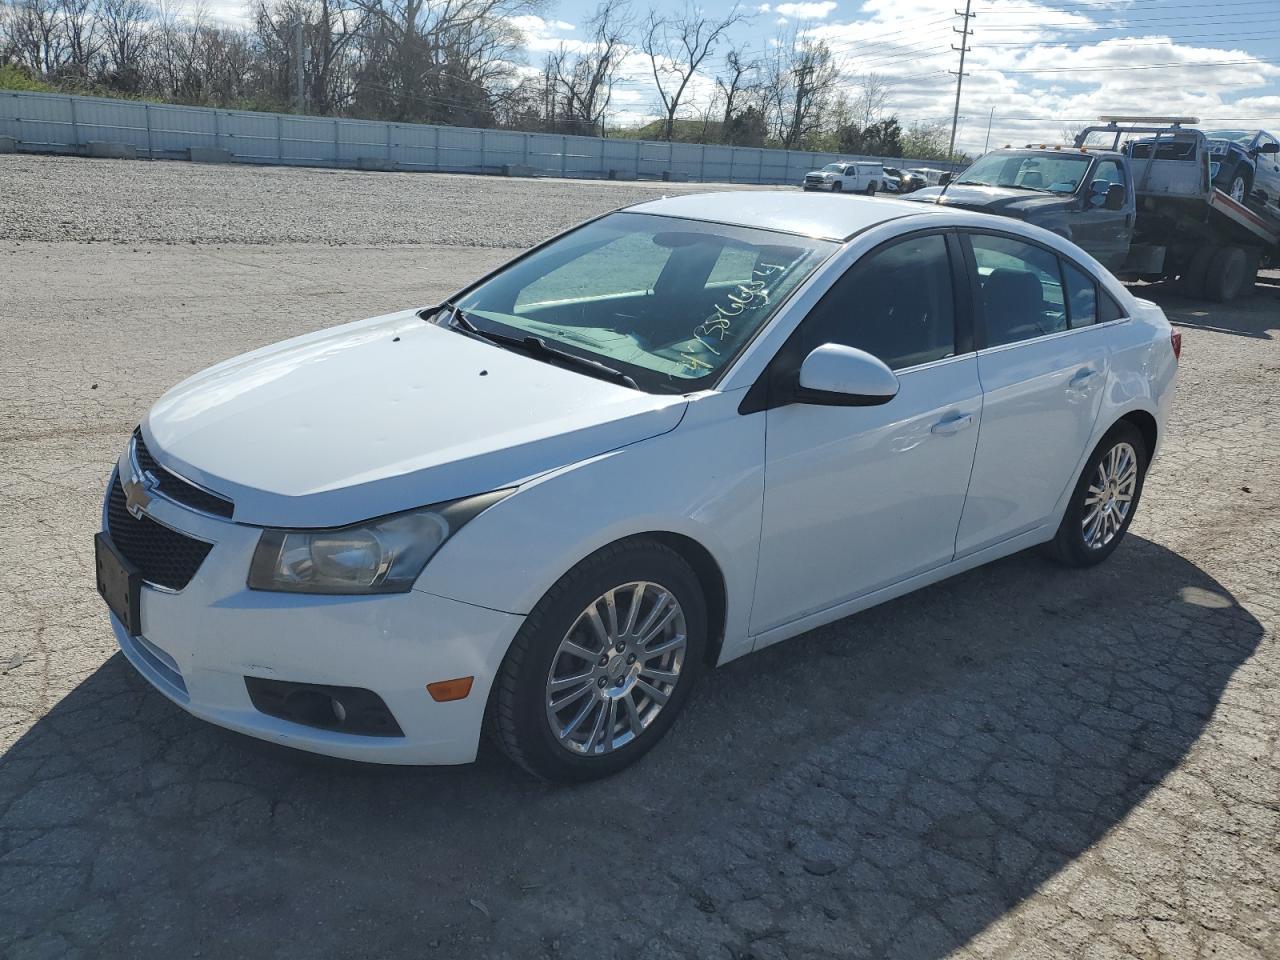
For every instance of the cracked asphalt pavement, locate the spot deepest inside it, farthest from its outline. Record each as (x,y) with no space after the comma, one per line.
(1024,761)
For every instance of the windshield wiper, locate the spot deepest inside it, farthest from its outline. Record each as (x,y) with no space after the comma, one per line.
(536,346)
(971,183)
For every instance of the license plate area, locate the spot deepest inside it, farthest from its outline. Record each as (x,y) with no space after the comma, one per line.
(119,583)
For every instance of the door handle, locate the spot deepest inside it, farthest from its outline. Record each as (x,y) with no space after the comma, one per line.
(945,428)
(1083,378)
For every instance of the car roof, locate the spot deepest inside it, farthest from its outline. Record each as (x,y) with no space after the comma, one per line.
(787,211)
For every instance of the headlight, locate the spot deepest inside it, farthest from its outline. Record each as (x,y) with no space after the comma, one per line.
(377,556)
(1213,169)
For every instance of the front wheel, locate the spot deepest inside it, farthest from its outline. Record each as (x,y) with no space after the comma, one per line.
(603,663)
(837,187)
(1104,500)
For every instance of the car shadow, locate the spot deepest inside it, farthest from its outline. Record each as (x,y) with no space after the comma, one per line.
(1255,315)
(886,786)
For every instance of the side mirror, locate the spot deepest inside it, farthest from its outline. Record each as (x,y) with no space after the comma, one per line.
(840,376)
(945,179)
(1116,196)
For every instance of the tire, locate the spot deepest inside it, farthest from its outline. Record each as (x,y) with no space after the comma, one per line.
(1225,279)
(871,189)
(522,713)
(1191,279)
(1240,186)
(1077,545)
(837,187)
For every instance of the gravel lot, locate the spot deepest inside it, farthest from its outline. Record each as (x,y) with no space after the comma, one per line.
(1020,762)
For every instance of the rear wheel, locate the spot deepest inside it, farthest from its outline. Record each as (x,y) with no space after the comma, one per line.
(603,664)
(1227,274)
(1191,279)
(1104,500)
(871,189)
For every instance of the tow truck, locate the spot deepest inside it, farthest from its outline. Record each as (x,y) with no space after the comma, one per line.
(1184,226)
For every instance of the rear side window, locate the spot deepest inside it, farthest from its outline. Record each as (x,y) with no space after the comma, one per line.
(895,303)
(1021,289)
(1109,309)
(1082,294)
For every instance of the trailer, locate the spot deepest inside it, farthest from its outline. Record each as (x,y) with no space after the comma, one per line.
(1184,227)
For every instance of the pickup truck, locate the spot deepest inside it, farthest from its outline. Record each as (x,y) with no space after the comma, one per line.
(1145,205)
(1086,196)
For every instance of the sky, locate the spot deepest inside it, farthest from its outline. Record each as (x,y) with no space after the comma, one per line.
(1034,67)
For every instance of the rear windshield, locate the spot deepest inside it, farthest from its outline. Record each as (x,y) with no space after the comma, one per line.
(670,302)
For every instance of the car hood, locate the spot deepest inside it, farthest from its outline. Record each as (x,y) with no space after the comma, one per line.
(384,415)
(997,200)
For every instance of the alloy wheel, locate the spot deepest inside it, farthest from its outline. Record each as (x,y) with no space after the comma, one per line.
(1237,189)
(1110,496)
(616,668)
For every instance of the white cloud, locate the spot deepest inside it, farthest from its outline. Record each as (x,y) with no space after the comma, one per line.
(806,11)
(542,35)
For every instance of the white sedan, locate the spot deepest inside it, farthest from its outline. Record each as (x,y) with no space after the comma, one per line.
(671,436)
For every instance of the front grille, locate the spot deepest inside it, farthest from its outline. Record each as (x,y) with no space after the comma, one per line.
(177,489)
(162,556)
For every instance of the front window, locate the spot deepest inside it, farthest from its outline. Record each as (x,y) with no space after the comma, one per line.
(669,302)
(833,168)
(1043,172)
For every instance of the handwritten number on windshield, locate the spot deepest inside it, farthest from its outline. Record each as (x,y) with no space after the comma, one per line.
(748,295)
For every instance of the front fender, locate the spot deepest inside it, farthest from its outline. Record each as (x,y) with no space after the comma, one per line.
(704,480)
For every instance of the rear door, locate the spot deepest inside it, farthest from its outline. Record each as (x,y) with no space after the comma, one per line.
(1043,361)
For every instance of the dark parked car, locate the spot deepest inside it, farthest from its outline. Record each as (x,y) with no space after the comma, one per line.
(907,181)
(1245,164)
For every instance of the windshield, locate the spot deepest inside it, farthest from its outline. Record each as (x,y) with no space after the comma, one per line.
(893,171)
(1243,137)
(1047,173)
(668,302)
(834,168)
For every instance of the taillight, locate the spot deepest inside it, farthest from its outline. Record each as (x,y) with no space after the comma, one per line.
(1175,339)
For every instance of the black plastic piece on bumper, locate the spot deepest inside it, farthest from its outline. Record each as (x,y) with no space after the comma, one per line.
(344,709)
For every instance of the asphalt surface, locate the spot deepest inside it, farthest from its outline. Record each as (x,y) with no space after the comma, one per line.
(1023,761)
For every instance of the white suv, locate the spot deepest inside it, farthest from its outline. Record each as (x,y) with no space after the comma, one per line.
(863,176)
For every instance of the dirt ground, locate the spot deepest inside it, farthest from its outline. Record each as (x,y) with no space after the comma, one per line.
(1023,761)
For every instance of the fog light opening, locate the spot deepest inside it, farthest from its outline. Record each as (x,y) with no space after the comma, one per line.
(315,708)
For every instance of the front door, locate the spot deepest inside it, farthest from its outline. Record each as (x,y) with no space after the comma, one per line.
(1043,366)
(1104,233)
(857,498)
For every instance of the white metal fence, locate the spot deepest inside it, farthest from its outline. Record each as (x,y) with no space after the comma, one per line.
(59,123)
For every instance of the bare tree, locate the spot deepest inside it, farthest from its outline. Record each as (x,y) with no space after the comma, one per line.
(736,84)
(125,25)
(580,81)
(800,79)
(677,47)
(36,35)
(870,99)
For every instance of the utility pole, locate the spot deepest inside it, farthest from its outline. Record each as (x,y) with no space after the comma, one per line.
(299,90)
(965,33)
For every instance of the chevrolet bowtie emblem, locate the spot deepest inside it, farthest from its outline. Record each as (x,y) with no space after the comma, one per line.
(137,494)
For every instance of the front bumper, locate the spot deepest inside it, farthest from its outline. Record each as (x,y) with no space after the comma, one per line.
(825,185)
(199,644)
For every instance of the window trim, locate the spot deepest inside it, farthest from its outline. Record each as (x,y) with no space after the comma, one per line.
(979,315)
(771,388)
